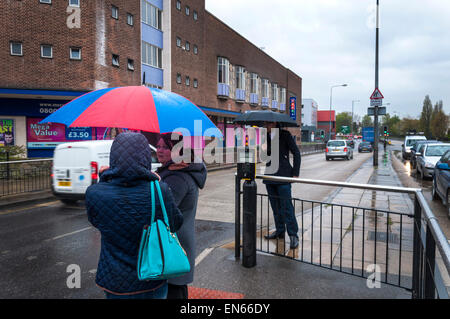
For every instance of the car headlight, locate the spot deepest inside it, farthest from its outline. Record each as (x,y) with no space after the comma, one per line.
(429,165)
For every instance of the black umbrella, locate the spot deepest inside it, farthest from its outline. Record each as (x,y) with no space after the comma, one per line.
(260,118)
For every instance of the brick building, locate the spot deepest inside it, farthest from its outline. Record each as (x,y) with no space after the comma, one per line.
(53,51)
(323,124)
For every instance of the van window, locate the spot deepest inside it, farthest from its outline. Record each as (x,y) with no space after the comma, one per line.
(71,157)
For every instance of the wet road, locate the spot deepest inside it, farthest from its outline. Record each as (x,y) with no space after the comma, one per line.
(410,178)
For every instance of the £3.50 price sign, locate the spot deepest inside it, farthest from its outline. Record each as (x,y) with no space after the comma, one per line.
(78,133)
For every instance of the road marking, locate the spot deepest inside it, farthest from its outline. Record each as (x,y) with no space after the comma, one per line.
(202,255)
(68,234)
(15,210)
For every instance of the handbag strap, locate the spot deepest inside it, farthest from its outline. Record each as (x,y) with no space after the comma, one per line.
(161,202)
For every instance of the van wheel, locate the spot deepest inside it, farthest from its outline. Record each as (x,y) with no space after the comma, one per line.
(68,201)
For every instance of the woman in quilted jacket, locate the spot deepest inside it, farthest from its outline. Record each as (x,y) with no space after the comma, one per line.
(119,206)
(185,180)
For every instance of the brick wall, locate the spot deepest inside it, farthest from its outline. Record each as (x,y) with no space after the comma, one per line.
(33,24)
(215,39)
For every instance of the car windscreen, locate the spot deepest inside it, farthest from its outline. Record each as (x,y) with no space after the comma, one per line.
(336,143)
(411,142)
(437,150)
(365,144)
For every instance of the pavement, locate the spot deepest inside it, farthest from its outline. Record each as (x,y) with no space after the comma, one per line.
(219,275)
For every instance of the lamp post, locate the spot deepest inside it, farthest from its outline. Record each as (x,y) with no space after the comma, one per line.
(353,104)
(331,102)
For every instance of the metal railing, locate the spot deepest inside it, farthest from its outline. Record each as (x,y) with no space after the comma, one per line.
(17,177)
(401,246)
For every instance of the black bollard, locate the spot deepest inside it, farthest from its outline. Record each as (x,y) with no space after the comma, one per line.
(249,224)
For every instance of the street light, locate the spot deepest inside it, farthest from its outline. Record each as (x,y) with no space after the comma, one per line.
(331,101)
(353,103)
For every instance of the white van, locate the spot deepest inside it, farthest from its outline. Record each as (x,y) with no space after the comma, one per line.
(409,141)
(76,166)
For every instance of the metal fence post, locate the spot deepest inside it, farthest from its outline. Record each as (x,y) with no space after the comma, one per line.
(249,224)
(430,254)
(237,218)
(417,251)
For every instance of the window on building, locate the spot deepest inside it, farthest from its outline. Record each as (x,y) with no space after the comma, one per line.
(151,15)
(130,19)
(45,1)
(179,42)
(151,55)
(115,60)
(75,53)
(188,81)
(178,78)
(195,15)
(46,51)
(188,10)
(115,12)
(223,66)
(16,48)
(195,83)
(74,3)
(195,49)
(254,87)
(179,5)
(188,46)
(265,88)
(240,77)
(282,96)
(130,65)
(275,92)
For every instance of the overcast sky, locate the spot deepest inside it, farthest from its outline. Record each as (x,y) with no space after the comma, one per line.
(330,42)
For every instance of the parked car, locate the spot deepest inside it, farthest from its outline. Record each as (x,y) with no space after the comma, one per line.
(441,181)
(338,149)
(408,143)
(416,148)
(430,155)
(76,166)
(365,147)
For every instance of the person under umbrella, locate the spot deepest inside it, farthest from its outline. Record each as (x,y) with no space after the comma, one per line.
(280,193)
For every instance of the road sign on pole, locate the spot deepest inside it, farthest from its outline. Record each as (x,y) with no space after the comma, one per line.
(376,102)
(376,95)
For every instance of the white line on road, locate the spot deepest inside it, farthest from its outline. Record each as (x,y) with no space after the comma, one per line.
(202,255)
(69,234)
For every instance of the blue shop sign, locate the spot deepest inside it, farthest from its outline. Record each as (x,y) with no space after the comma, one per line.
(293,107)
(78,133)
(29,107)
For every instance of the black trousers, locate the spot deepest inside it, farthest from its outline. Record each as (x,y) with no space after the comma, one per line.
(177,292)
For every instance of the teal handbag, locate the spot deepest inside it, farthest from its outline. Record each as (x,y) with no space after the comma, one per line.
(160,253)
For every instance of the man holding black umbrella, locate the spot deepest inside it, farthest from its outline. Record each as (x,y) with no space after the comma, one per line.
(280,194)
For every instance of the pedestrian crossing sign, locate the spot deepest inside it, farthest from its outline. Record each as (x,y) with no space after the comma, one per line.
(376,95)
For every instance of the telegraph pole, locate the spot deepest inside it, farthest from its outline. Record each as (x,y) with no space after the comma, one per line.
(376,133)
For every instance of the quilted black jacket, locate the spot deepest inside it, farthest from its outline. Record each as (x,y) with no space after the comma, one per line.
(119,206)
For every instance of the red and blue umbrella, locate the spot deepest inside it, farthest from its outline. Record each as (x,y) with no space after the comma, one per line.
(136,108)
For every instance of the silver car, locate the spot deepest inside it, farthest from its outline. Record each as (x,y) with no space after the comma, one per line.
(338,149)
(428,157)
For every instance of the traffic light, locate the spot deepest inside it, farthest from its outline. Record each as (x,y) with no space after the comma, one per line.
(385,131)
